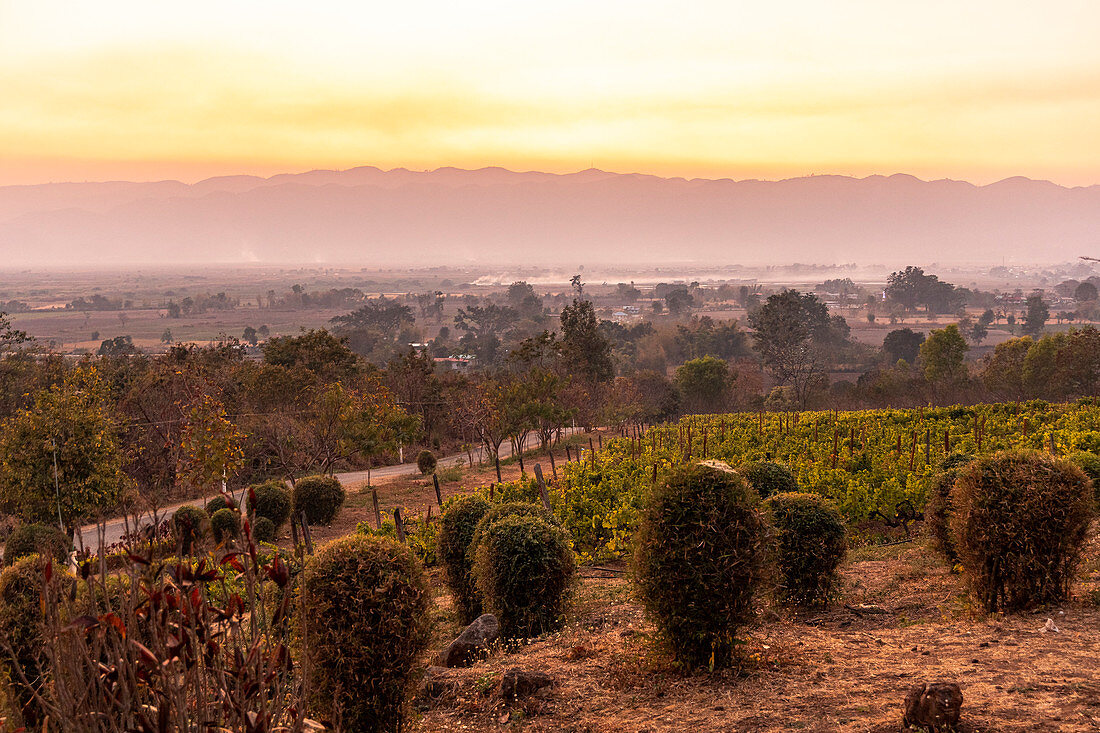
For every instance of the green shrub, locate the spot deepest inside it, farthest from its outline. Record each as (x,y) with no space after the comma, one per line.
(225,524)
(190,525)
(271,499)
(769,478)
(425,462)
(1020,520)
(456,531)
(363,621)
(1090,464)
(40,539)
(218,503)
(263,530)
(21,625)
(320,497)
(810,545)
(700,555)
(937,511)
(523,569)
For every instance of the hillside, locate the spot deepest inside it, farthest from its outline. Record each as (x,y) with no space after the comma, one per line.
(449,216)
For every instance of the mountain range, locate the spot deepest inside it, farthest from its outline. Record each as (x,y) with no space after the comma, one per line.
(370,217)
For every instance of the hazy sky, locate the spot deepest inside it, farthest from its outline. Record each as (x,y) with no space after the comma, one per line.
(973,89)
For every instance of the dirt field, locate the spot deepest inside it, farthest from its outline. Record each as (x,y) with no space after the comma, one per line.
(833,671)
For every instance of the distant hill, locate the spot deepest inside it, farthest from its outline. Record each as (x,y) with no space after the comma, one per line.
(367,216)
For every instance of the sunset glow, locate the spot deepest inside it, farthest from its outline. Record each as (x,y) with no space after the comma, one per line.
(978,90)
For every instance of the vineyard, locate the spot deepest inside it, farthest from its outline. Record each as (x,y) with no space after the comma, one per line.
(869,463)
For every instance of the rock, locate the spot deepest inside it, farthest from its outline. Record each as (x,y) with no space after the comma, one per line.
(519,683)
(933,706)
(472,644)
(437,683)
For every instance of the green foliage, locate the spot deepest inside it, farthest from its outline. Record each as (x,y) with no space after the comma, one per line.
(363,617)
(810,545)
(508,508)
(1020,520)
(524,569)
(700,556)
(21,626)
(425,462)
(263,530)
(769,478)
(703,383)
(320,497)
(272,500)
(37,539)
(190,524)
(216,504)
(225,524)
(938,511)
(69,427)
(456,531)
(943,354)
(1090,464)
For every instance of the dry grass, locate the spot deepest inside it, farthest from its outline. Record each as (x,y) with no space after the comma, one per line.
(836,671)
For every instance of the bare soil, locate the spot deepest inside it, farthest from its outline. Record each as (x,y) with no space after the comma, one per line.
(833,671)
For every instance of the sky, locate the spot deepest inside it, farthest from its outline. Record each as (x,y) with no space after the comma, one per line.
(978,90)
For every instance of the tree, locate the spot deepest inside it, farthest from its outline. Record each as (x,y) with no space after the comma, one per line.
(943,356)
(902,343)
(118,346)
(60,460)
(10,337)
(628,293)
(324,354)
(586,350)
(791,332)
(911,288)
(211,446)
(1035,319)
(679,301)
(703,382)
(382,316)
(578,286)
(1086,291)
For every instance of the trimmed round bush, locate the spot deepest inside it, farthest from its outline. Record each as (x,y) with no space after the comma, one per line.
(218,503)
(320,497)
(425,462)
(190,524)
(225,524)
(700,555)
(810,545)
(263,530)
(37,539)
(1090,464)
(363,620)
(769,478)
(272,500)
(500,511)
(1020,519)
(456,531)
(21,623)
(937,512)
(524,570)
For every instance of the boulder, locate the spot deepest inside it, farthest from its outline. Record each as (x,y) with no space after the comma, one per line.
(518,683)
(934,706)
(472,644)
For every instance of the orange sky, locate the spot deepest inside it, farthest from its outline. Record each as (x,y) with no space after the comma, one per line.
(972,89)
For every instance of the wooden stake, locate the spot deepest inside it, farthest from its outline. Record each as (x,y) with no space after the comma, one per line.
(399,524)
(542,488)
